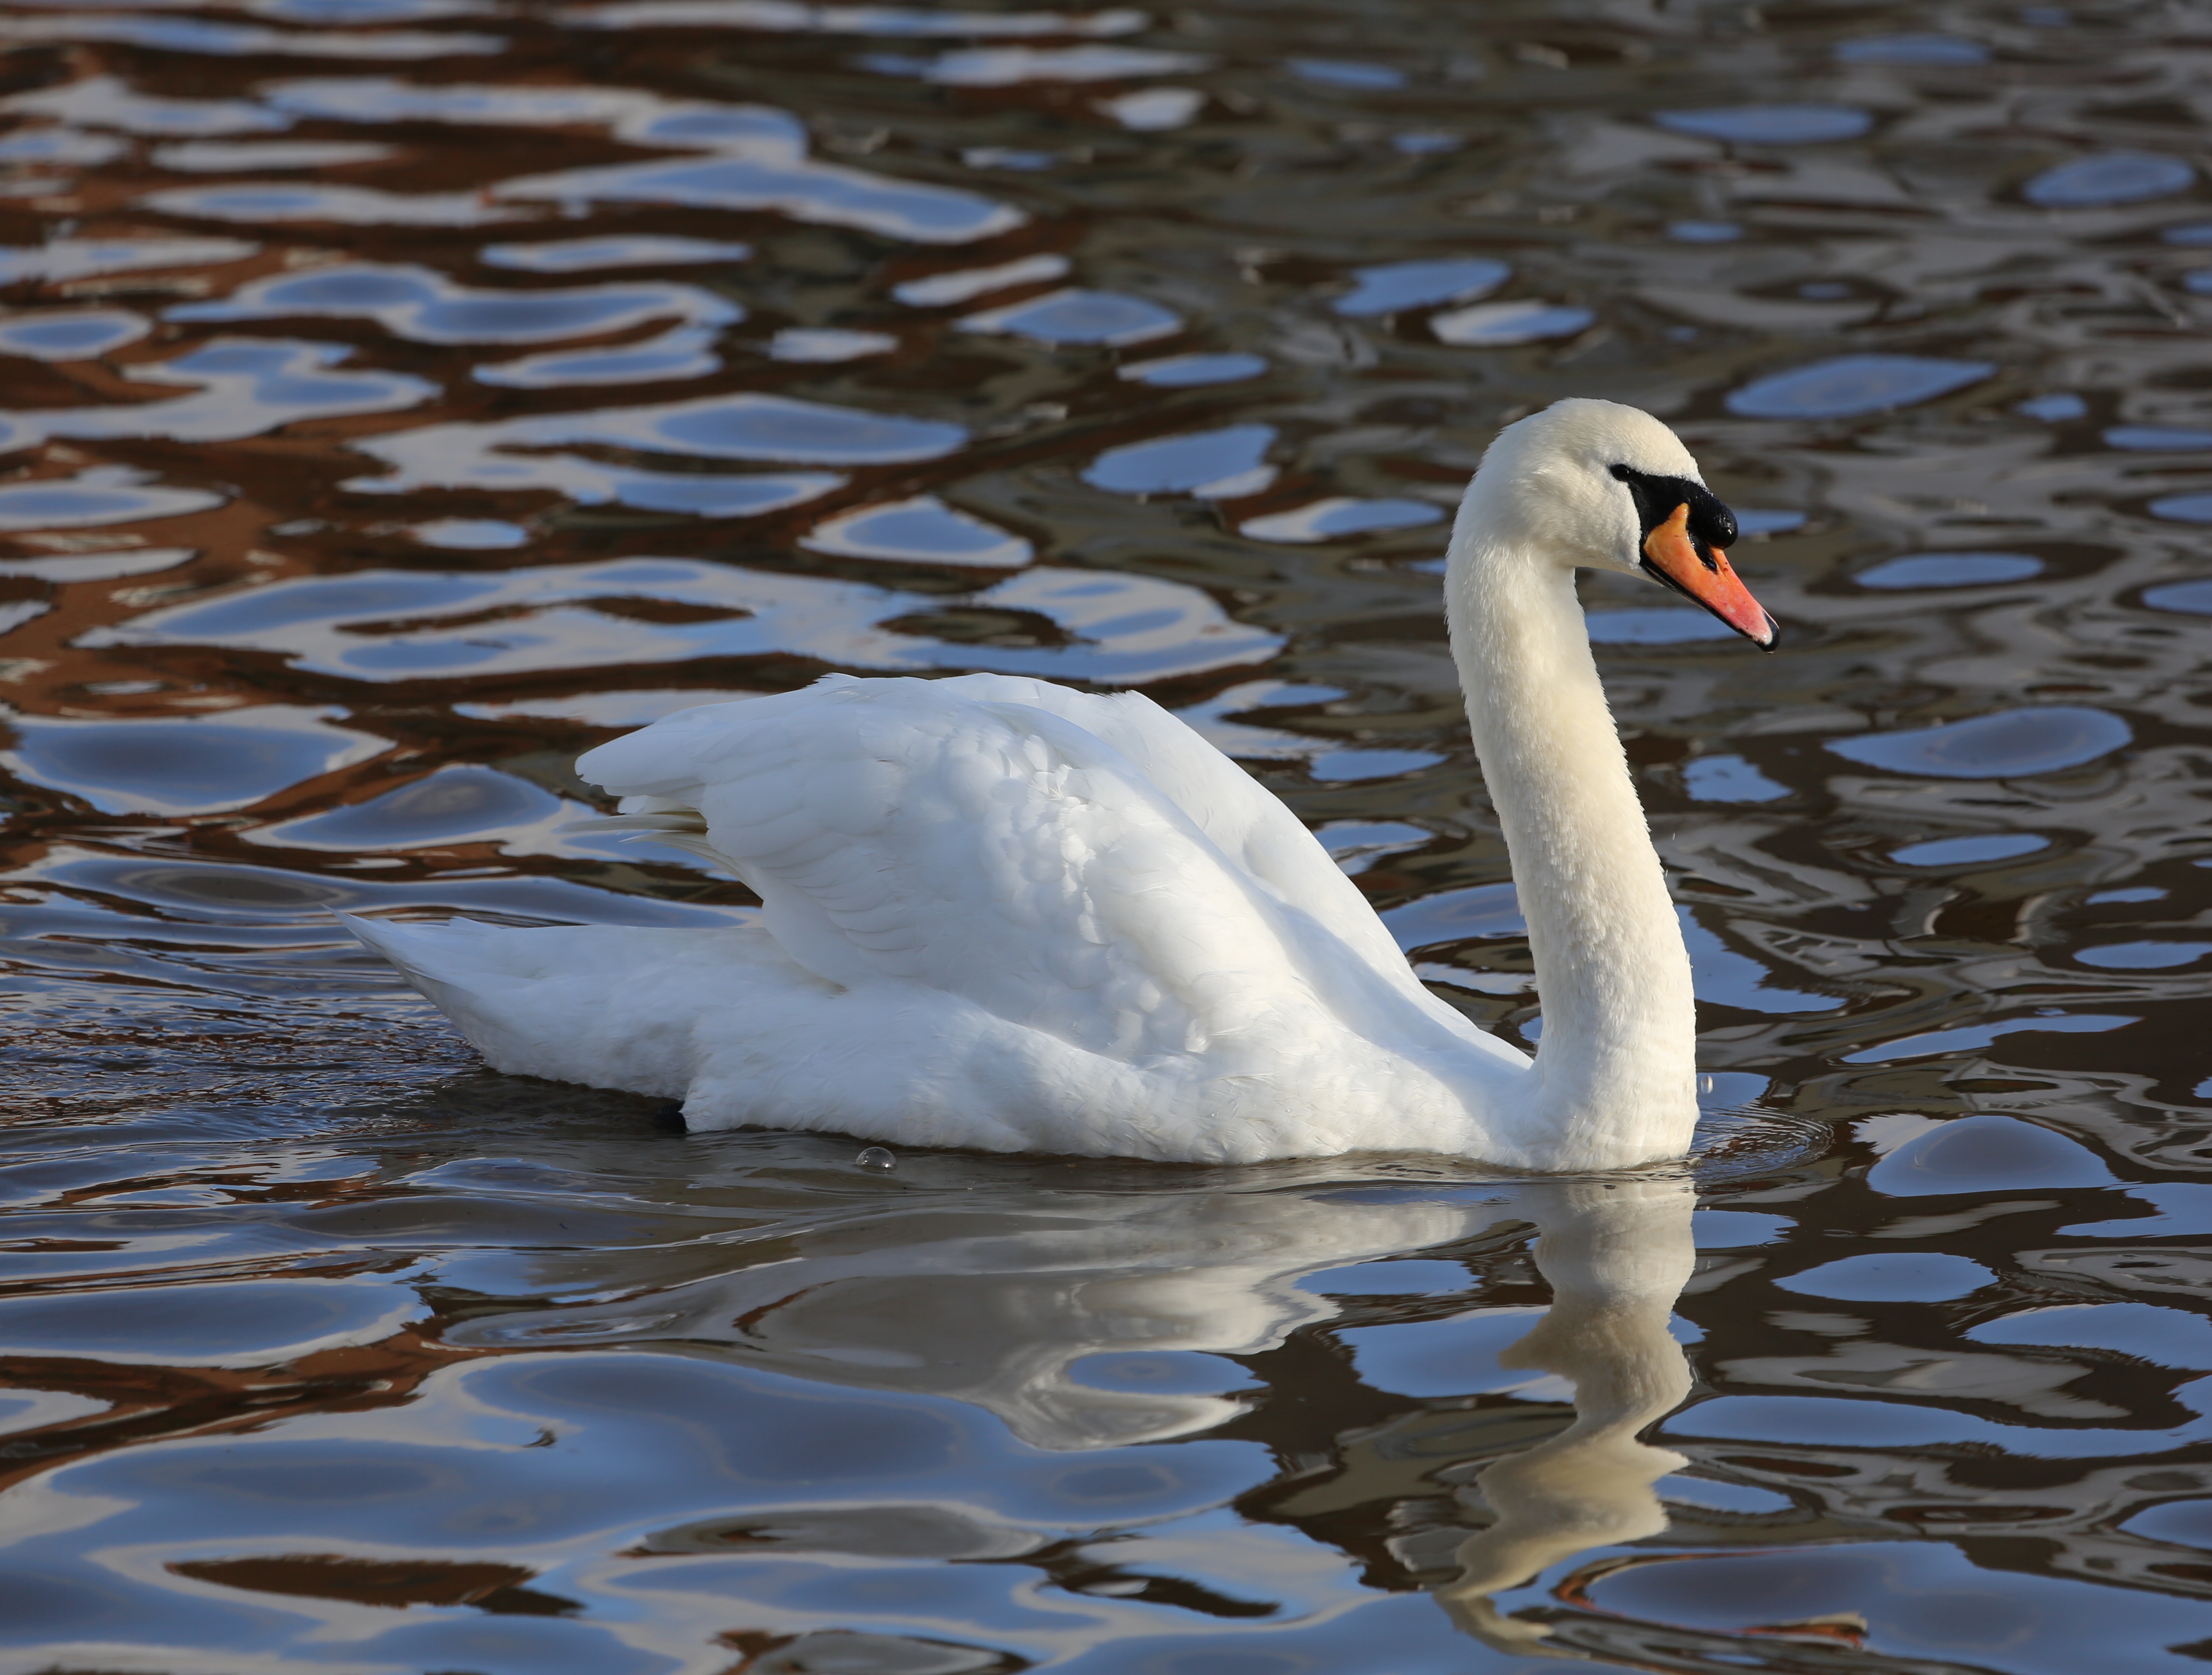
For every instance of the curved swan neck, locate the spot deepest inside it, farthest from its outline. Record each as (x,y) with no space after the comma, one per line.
(1616,1068)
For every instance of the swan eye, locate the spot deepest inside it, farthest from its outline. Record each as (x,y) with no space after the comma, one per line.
(1685,532)
(1711,525)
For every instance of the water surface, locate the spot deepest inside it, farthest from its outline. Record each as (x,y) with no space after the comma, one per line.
(403,396)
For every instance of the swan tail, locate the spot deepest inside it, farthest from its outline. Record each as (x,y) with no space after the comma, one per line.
(426,955)
(476,974)
(612,1006)
(722,1018)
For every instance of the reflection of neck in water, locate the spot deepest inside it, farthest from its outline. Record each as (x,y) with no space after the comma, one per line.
(1617,1255)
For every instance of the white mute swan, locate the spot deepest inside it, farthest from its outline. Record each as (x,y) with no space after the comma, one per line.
(1000,914)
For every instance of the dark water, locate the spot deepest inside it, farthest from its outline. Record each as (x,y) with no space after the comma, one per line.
(403,395)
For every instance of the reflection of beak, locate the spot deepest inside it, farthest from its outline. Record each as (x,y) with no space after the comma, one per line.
(1670,554)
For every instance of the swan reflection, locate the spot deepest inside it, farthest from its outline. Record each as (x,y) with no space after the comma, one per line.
(1005,1301)
(1093,1320)
(1617,1256)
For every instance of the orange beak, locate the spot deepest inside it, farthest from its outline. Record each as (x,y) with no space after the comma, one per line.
(1671,555)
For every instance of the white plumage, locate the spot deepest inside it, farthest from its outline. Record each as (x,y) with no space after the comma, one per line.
(1001,914)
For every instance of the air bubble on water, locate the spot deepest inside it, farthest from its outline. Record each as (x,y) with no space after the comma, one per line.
(877,1157)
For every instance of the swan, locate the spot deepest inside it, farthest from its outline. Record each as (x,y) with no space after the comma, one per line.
(1003,914)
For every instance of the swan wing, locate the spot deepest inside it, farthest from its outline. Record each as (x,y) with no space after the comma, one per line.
(931,833)
(1244,820)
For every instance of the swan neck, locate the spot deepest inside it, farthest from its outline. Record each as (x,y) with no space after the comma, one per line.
(1616,1066)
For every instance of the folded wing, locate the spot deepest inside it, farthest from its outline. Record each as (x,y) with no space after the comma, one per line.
(947,834)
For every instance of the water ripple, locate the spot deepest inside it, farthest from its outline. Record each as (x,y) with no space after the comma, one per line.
(2114,177)
(1772,124)
(423,307)
(1087,625)
(1397,285)
(243,386)
(1850,385)
(745,427)
(2032,740)
(190,765)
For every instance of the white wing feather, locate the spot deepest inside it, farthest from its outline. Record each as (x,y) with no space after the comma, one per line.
(930,832)
(1247,823)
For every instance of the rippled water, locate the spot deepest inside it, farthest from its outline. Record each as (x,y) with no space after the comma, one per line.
(403,395)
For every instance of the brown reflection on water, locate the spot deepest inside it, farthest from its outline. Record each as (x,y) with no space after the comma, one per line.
(404,395)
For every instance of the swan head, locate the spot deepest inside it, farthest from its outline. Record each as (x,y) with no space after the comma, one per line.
(1597,485)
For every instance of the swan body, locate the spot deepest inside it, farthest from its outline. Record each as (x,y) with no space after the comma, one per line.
(1001,914)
